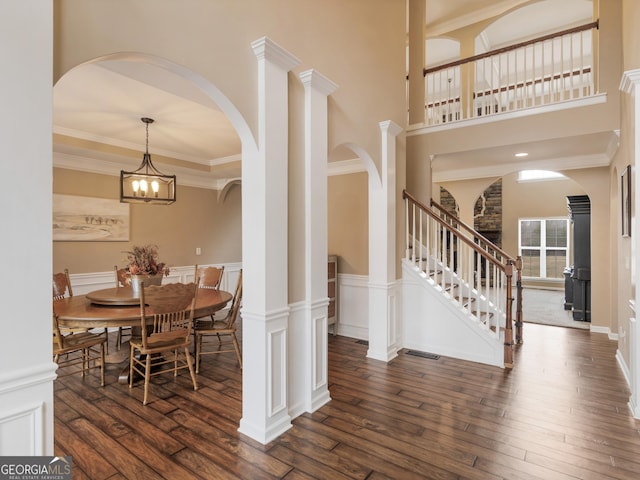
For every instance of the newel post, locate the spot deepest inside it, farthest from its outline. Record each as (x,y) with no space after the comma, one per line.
(519,300)
(508,329)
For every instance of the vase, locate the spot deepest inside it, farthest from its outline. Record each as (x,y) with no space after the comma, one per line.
(136,280)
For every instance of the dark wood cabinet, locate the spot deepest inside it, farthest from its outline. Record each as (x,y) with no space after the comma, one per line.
(580,276)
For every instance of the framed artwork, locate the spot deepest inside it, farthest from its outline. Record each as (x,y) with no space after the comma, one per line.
(625,197)
(77,218)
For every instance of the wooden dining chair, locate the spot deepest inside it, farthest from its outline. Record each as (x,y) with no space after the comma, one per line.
(123,279)
(165,341)
(210,277)
(83,345)
(220,328)
(62,285)
(62,289)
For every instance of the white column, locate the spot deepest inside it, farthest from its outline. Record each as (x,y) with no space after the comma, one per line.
(265,311)
(630,84)
(26,373)
(313,355)
(384,297)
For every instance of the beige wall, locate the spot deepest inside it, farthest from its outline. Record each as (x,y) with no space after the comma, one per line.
(348,222)
(624,284)
(630,35)
(519,200)
(197,219)
(359,45)
(523,200)
(531,128)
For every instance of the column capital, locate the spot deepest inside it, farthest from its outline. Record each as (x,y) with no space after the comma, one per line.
(313,79)
(630,80)
(390,128)
(266,49)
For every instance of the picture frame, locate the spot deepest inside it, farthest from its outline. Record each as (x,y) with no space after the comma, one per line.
(625,198)
(89,219)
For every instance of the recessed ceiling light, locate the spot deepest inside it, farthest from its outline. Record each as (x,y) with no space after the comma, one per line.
(522,154)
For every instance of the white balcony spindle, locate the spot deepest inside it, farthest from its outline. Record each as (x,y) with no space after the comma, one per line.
(420,243)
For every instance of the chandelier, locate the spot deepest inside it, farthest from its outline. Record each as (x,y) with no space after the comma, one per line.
(147,184)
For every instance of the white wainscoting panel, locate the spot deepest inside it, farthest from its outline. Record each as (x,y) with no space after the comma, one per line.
(353,308)
(297,369)
(23,415)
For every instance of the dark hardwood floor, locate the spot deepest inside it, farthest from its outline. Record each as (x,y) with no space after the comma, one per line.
(561,413)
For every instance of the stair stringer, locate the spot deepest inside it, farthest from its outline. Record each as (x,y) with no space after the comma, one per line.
(433,322)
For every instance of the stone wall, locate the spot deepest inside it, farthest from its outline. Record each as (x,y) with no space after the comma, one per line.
(487,213)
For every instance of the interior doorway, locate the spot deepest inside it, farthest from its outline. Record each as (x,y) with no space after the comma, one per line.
(546,307)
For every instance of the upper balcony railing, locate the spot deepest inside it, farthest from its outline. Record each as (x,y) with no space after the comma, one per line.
(542,71)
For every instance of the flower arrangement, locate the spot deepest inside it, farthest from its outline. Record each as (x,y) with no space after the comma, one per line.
(144,261)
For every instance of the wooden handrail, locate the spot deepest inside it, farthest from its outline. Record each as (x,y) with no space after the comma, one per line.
(470,230)
(474,246)
(516,262)
(491,254)
(581,28)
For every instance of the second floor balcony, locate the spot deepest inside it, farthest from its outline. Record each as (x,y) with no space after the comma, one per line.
(544,71)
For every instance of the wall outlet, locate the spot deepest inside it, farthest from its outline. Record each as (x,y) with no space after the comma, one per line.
(198,251)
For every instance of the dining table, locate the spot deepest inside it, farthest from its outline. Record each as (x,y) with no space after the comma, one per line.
(118,307)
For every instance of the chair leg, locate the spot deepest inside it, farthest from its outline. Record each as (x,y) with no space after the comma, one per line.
(175,362)
(147,375)
(119,338)
(131,366)
(190,364)
(84,354)
(198,343)
(237,347)
(102,359)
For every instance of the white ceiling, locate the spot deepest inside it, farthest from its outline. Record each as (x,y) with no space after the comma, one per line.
(103,102)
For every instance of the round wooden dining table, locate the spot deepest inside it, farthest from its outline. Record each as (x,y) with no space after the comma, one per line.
(117,307)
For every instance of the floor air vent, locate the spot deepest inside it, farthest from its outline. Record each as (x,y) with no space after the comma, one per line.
(416,353)
(363,342)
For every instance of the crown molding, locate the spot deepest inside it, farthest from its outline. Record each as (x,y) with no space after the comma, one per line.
(266,49)
(112,168)
(630,79)
(502,169)
(69,132)
(314,79)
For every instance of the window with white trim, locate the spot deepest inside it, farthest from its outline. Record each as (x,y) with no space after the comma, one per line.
(543,244)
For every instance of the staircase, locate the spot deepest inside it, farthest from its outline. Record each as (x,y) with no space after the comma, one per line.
(458,289)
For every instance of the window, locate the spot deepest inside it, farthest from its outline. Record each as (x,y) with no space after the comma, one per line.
(543,245)
(538,175)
